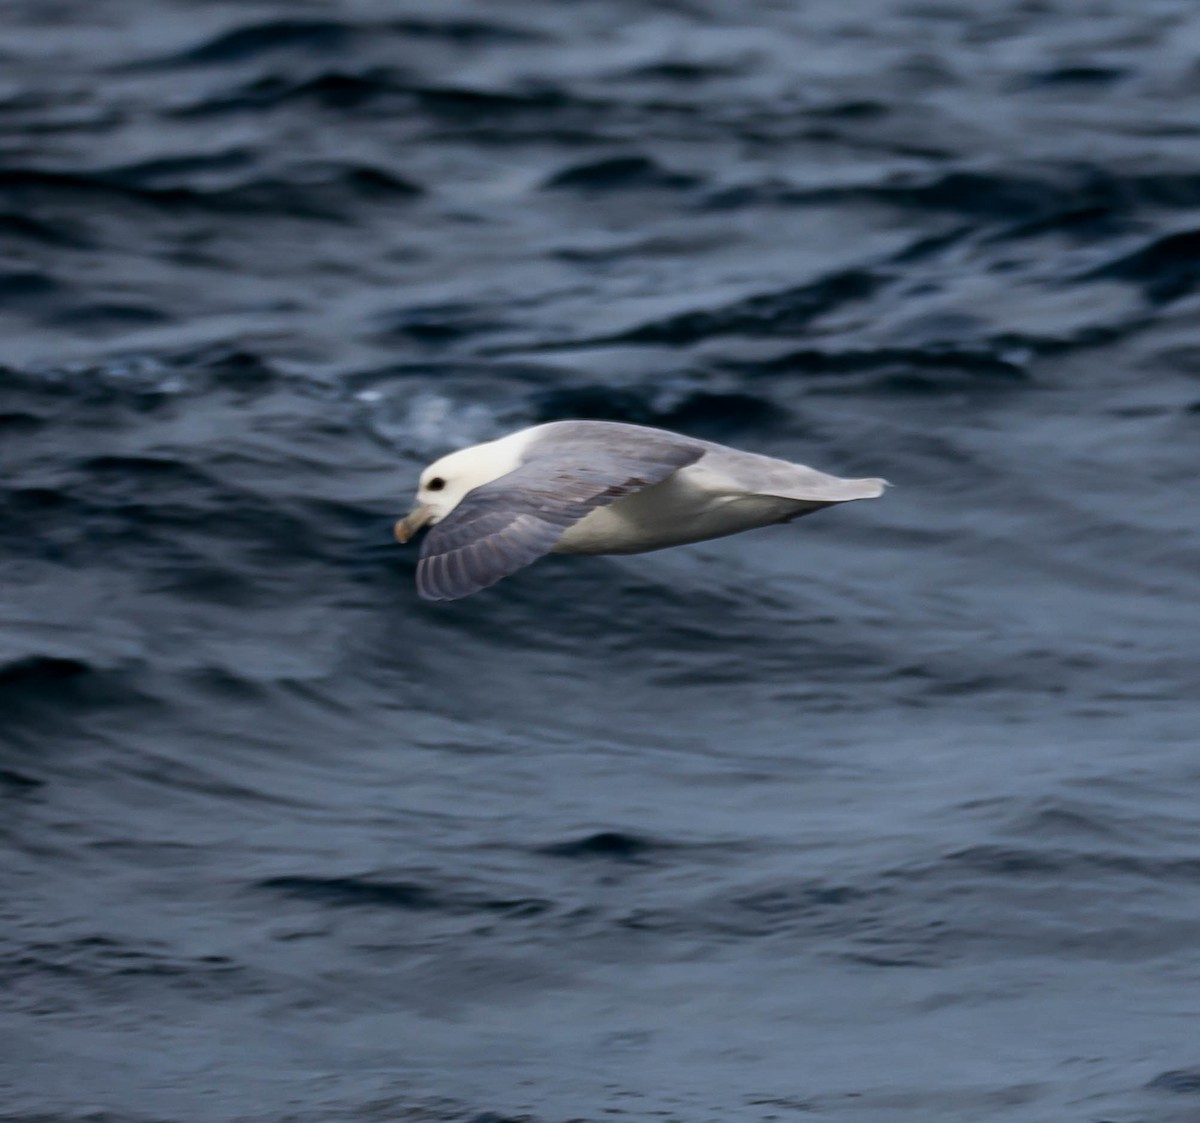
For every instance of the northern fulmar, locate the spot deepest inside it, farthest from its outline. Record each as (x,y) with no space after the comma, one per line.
(597,487)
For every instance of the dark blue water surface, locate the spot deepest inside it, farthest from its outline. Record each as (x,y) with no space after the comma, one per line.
(886,817)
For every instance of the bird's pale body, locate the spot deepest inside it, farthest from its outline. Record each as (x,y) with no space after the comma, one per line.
(691,506)
(598,487)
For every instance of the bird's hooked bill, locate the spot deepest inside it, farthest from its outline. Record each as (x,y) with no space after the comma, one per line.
(412,522)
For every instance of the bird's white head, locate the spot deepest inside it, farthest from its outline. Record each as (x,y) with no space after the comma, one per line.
(448,481)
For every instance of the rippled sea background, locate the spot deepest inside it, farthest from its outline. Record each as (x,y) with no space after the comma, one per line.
(889,816)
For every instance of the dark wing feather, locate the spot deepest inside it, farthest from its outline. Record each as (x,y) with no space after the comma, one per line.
(570,470)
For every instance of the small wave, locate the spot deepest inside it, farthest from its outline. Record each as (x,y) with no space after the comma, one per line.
(608,845)
(1167,267)
(40,670)
(91,968)
(694,411)
(367,892)
(333,89)
(620,173)
(18,781)
(252,40)
(1046,194)
(314,190)
(1088,76)
(27,285)
(317,36)
(1028,863)
(437,323)
(1002,363)
(1177,1081)
(785,312)
(56,232)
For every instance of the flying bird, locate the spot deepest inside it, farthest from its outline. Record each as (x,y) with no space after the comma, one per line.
(597,487)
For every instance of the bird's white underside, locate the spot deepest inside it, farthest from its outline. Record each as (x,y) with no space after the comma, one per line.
(689,506)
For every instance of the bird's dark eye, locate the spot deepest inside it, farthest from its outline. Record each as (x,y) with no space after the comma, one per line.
(436,484)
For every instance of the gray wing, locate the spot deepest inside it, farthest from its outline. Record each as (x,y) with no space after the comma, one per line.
(570,469)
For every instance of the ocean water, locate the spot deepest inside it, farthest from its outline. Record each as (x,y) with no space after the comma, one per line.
(889,816)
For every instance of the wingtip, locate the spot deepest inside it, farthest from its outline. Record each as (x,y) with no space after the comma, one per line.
(871,488)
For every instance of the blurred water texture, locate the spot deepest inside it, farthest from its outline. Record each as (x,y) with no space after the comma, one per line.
(889,816)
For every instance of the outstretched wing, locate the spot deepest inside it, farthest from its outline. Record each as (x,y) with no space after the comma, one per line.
(570,469)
